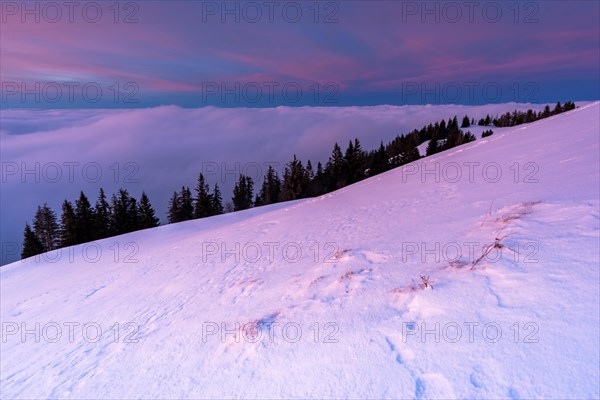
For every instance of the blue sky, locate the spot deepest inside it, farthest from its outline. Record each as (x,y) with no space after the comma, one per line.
(261,54)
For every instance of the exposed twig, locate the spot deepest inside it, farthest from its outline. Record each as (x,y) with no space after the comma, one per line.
(425,280)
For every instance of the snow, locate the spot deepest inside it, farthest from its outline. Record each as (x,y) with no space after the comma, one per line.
(327,292)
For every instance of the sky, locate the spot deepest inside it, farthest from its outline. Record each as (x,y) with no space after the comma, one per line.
(266,54)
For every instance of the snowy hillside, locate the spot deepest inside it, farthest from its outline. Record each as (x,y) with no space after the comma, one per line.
(324,298)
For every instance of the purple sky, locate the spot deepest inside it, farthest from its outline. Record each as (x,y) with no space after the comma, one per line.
(358,52)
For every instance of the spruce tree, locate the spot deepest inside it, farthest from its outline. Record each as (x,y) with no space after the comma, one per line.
(465,122)
(334,169)
(380,161)
(217,201)
(146,214)
(408,150)
(294,180)
(45,227)
(121,219)
(557,109)
(353,165)
(186,204)
(309,180)
(271,188)
(31,245)
(102,217)
(318,183)
(432,147)
(243,193)
(68,225)
(203,204)
(84,219)
(173,214)
(133,223)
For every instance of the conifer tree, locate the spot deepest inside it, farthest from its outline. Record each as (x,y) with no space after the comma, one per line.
(186,204)
(68,225)
(353,165)
(294,180)
(243,193)
(270,190)
(465,122)
(146,214)
(318,182)
(124,213)
(546,113)
(31,244)
(380,161)
(173,214)
(432,147)
(557,109)
(133,223)
(203,204)
(102,215)
(84,219)
(334,169)
(217,201)
(45,227)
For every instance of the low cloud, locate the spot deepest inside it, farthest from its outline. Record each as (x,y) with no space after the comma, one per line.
(50,155)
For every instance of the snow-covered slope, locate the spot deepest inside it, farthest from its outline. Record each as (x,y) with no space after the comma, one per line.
(474,129)
(323,297)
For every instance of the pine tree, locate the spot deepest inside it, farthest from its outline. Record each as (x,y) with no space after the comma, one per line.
(309,178)
(380,161)
(465,122)
(468,137)
(146,214)
(84,219)
(173,215)
(217,201)
(31,245)
(408,150)
(243,193)
(203,204)
(133,223)
(443,130)
(546,113)
(319,181)
(124,213)
(294,180)
(186,204)
(46,227)
(68,225)
(453,139)
(334,169)
(432,147)
(271,188)
(557,109)
(353,165)
(102,217)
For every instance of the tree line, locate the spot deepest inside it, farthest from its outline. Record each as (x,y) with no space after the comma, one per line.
(515,118)
(80,222)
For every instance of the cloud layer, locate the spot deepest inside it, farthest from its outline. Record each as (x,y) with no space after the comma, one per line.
(49,156)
